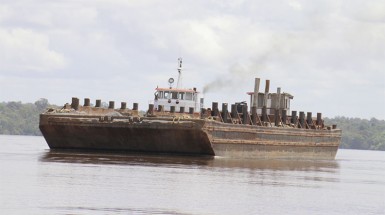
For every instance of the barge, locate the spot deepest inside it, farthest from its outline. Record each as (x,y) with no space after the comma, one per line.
(177,123)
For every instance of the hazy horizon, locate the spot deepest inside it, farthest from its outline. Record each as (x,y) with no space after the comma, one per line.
(117,105)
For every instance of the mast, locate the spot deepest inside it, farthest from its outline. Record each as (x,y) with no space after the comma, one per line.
(179,83)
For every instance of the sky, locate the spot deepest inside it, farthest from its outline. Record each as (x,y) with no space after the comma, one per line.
(329,54)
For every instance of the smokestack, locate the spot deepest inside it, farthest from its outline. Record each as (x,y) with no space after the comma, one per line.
(267,86)
(256,91)
(255,102)
(278,105)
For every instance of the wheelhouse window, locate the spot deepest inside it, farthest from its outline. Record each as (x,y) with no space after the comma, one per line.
(160,94)
(174,95)
(181,96)
(166,94)
(189,96)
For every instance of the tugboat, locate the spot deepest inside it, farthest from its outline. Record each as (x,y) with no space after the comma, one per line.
(178,97)
(177,123)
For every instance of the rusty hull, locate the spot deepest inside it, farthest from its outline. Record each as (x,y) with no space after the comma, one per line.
(182,135)
(125,134)
(249,141)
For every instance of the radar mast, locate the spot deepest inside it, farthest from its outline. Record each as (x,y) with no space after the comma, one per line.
(179,83)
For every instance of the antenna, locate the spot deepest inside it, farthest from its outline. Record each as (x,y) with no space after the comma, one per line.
(179,83)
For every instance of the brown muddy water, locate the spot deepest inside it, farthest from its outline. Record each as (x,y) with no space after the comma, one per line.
(36,180)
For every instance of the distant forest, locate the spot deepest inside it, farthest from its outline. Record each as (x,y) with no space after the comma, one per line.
(17,118)
(360,133)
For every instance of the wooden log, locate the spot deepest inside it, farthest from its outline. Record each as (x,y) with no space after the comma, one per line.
(86,102)
(284,117)
(123,105)
(135,106)
(224,112)
(151,109)
(111,105)
(276,117)
(254,115)
(264,114)
(75,103)
(319,119)
(309,119)
(294,117)
(245,115)
(234,112)
(214,110)
(98,103)
(302,119)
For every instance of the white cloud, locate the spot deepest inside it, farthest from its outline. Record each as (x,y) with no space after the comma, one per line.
(366,11)
(295,5)
(26,50)
(316,50)
(5,12)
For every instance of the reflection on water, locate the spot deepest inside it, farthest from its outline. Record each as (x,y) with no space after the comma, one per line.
(122,210)
(92,157)
(36,180)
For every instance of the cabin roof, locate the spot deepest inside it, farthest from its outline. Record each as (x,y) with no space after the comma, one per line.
(176,90)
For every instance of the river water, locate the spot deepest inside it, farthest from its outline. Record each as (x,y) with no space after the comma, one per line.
(35,180)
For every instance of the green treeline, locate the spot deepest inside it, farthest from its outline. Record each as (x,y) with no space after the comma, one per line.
(360,133)
(17,118)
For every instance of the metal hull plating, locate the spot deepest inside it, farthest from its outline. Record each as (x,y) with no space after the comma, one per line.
(186,136)
(155,136)
(272,142)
